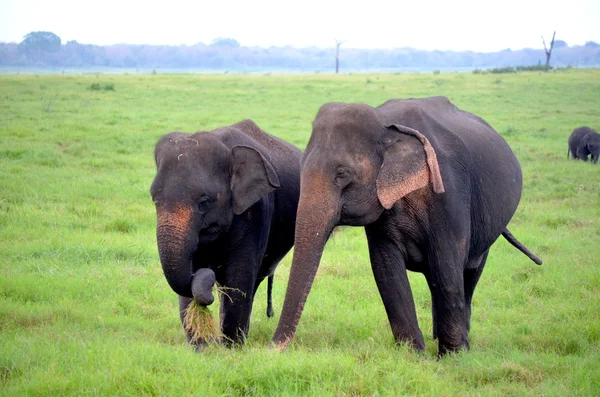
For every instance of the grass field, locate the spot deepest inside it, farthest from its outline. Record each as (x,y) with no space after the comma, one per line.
(85,309)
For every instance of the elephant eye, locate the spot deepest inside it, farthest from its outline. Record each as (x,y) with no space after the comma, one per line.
(203,203)
(343,176)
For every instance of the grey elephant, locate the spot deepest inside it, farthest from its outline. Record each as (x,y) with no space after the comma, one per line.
(433,186)
(582,142)
(225,200)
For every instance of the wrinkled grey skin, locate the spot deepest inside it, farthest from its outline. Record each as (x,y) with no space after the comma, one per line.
(584,141)
(433,186)
(202,283)
(225,200)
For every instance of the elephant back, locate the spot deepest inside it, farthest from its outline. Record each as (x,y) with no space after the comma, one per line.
(474,160)
(277,151)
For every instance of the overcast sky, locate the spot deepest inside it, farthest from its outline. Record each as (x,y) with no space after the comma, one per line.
(459,25)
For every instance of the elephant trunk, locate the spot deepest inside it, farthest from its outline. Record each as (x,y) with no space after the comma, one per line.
(202,285)
(318,212)
(176,244)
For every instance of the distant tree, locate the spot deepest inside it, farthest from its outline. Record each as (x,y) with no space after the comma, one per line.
(207,56)
(338,43)
(40,41)
(548,51)
(225,42)
(560,44)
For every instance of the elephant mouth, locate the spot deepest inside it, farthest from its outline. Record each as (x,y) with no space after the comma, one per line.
(210,233)
(214,229)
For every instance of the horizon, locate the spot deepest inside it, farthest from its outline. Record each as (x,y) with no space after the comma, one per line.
(343,47)
(461,26)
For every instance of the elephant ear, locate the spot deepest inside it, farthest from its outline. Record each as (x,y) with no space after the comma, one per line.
(409,163)
(253,176)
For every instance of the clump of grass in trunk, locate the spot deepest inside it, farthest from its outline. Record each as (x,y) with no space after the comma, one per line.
(200,323)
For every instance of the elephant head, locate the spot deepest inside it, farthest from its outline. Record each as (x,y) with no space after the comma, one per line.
(592,142)
(355,167)
(200,186)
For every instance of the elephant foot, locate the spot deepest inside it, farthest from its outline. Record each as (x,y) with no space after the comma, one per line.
(445,348)
(417,343)
(200,345)
(279,347)
(412,337)
(197,346)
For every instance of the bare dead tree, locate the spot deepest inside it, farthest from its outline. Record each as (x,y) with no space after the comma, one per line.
(548,51)
(338,43)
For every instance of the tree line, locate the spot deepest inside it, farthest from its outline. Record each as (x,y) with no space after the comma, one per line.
(44,49)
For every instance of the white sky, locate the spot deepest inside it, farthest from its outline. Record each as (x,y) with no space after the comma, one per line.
(459,25)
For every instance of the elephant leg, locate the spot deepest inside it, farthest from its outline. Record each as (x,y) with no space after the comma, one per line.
(269,293)
(270,296)
(445,278)
(471,277)
(389,270)
(236,308)
(236,302)
(434,320)
(279,245)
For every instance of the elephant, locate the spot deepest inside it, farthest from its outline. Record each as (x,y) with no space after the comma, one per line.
(225,200)
(584,141)
(432,185)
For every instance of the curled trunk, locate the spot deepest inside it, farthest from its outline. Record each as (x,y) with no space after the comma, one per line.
(202,285)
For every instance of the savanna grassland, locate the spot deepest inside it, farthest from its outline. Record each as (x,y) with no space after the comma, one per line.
(85,309)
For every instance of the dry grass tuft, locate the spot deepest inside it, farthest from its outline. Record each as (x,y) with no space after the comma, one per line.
(200,323)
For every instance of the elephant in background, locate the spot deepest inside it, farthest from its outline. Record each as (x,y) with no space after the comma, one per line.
(225,200)
(433,186)
(584,141)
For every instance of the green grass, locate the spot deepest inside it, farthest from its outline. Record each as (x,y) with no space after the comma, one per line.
(85,309)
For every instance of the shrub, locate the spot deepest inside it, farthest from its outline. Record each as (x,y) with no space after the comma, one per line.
(510,69)
(533,68)
(568,67)
(506,69)
(100,87)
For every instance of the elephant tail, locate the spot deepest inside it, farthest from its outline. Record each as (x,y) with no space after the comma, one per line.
(518,245)
(269,298)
